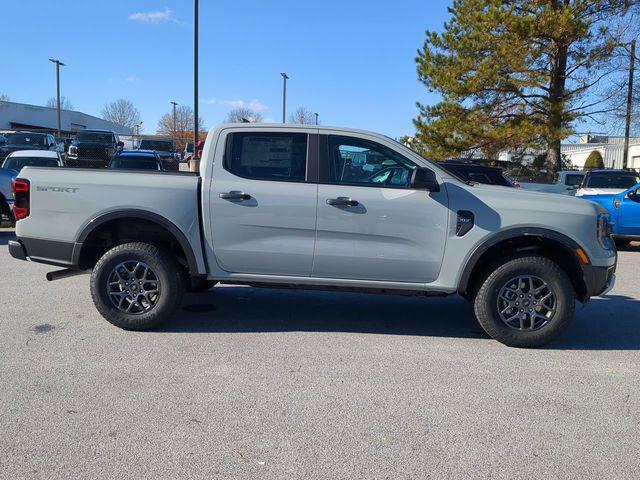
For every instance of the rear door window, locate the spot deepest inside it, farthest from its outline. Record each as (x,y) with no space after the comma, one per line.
(268,156)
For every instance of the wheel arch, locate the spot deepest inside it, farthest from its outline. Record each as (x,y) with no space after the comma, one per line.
(95,224)
(552,244)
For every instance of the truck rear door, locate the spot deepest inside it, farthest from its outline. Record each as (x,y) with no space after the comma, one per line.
(263,213)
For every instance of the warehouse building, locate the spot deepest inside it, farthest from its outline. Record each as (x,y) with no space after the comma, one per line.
(21,116)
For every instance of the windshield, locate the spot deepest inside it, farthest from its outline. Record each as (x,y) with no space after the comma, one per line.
(16,163)
(612,180)
(26,139)
(96,137)
(159,145)
(135,163)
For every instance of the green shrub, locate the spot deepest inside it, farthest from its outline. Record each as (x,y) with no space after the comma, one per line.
(594,160)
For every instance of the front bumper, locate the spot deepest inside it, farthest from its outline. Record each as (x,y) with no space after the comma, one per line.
(599,280)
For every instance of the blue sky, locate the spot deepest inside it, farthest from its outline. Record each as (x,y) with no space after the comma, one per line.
(352,61)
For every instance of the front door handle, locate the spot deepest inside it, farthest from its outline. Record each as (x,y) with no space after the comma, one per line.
(234,195)
(342,202)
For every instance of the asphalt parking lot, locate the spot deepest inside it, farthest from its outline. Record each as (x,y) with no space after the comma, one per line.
(286,384)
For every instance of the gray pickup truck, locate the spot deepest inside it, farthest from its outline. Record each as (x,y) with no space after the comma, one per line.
(316,208)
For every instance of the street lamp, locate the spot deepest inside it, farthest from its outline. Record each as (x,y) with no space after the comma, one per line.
(195,79)
(284,95)
(316,114)
(174,120)
(627,126)
(58,65)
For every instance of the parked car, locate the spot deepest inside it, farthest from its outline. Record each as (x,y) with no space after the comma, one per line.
(27,141)
(473,172)
(6,194)
(3,140)
(93,148)
(188,152)
(567,183)
(267,210)
(32,158)
(624,208)
(165,148)
(607,182)
(137,160)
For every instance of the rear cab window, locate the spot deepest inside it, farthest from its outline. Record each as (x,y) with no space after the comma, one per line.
(268,156)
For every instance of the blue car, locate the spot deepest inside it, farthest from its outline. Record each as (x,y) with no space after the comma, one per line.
(625,213)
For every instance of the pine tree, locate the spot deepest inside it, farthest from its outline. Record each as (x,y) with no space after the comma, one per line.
(514,73)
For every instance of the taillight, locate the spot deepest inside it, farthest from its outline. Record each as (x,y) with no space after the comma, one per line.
(20,187)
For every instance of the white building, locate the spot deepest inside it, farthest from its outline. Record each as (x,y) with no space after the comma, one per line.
(21,116)
(611,149)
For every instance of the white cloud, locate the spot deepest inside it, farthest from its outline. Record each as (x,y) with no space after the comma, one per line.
(132,79)
(165,15)
(253,104)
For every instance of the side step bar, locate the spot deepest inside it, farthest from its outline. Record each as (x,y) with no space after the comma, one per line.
(67,272)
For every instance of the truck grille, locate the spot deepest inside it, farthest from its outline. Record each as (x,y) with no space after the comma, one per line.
(89,157)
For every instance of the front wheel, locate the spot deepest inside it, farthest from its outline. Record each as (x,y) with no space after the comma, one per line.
(526,301)
(137,286)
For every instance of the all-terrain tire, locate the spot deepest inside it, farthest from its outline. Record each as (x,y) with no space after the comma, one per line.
(498,275)
(164,268)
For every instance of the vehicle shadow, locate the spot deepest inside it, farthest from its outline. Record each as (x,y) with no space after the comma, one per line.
(610,323)
(6,236)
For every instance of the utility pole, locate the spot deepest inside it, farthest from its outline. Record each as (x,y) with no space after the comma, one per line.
(174,120)
(195,79)
(627,128)
(58,65)
(316,114)
(284,96)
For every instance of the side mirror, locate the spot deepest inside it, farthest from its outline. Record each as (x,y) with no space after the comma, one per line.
(424,179)
(634,195)
(121,144)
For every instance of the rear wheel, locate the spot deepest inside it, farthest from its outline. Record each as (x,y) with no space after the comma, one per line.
(137,286)
(525,301)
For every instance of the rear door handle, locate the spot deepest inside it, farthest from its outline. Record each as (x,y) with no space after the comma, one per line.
(342,202)
(234,195)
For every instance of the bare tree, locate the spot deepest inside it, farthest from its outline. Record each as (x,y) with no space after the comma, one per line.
(243,114)
(65,103)
(121,112)
(4,97)
(302,115)
(183,127)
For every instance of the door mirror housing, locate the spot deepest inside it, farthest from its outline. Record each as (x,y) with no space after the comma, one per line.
(424,179)
(120,144)
(634,195)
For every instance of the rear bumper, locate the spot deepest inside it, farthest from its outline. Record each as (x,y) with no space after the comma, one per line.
(50,252)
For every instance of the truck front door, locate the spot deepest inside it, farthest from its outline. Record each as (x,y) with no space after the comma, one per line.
(371,224)
(263,213)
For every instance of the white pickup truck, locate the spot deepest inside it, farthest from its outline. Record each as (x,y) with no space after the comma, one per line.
(567,183)
(315,208)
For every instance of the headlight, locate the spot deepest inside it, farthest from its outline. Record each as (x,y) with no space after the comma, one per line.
(604,230)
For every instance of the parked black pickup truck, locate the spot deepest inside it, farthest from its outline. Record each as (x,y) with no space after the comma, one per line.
(93,148)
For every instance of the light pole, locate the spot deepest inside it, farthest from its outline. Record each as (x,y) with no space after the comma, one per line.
(174,120)
(138,125)
(58,65)
(316,114)
(195,79)
(627,127)
(284,96)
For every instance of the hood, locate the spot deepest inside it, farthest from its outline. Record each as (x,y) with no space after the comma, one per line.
(582,192)
(92,144)
(8,148)
(529,204)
